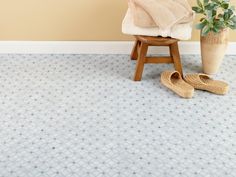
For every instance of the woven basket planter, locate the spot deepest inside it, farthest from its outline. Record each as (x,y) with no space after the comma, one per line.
(213,48)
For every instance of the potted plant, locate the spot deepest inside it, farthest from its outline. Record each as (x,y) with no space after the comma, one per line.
(218,17)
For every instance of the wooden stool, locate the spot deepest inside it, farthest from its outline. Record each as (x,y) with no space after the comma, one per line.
(140,51)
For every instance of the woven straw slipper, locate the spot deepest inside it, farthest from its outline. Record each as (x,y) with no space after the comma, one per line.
(204,82)
(174,81)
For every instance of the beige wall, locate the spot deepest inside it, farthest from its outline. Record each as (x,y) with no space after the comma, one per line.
(65,20)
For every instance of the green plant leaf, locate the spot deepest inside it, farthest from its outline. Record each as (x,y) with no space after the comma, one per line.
(230,12)
(202,19)
(225,5)
(214,12)
(218,24)
(201,25)
(226,16)
(210,15)
(217,15)
(234,18)
(205,2)
(216,1)
(205,31)
(216,30)
(230,23)
(233,27)
(211,6)
(199,3)
(197,9)
(220,16)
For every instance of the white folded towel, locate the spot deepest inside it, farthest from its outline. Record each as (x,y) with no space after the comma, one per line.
(160,13)
(179,31)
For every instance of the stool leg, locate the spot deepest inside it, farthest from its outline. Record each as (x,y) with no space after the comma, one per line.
(134,54)
(141,60)
(174,52)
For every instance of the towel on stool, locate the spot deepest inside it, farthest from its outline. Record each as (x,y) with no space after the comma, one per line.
(178,31)
(160,13)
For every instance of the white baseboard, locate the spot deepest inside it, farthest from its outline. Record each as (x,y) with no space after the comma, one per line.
(92,47)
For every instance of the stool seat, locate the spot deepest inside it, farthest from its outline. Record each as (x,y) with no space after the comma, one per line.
(156,40)
(140,51)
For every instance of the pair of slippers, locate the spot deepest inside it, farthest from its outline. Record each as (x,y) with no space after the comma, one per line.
(184,87)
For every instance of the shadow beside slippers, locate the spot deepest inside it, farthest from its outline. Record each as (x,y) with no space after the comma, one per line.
(185,87)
